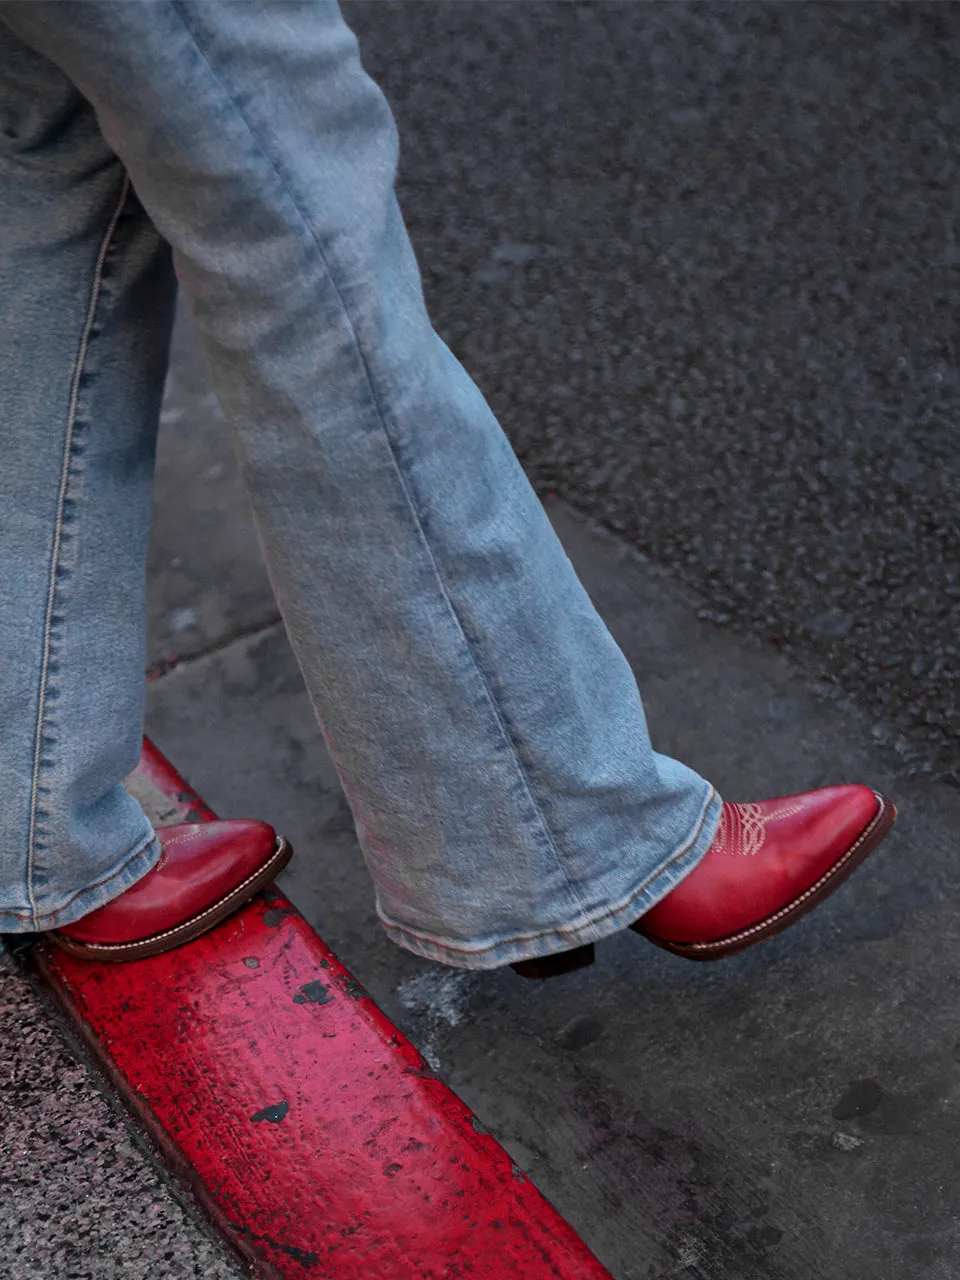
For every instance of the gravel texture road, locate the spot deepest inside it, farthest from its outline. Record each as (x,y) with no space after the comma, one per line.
(83,1197)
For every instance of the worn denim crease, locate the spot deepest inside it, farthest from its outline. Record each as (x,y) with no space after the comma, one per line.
(95,288)
(619,913)
(486,728)
(377,403)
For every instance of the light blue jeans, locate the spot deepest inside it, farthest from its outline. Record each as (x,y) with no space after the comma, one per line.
(487,730)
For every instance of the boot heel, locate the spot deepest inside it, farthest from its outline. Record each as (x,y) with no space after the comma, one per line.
(553,966)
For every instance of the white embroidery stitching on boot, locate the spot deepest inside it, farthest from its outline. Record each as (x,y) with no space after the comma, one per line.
(743,827)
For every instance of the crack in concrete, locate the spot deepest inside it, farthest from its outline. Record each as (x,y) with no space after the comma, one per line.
(174,662)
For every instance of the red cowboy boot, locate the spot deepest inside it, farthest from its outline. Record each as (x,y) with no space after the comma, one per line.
(206,871)
(769,864)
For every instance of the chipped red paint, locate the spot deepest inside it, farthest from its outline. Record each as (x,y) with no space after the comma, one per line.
(158,770)
(308,1126)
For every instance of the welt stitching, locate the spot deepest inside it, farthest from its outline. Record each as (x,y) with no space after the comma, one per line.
(381,413)
(95,289)
(278,853)
(791,906)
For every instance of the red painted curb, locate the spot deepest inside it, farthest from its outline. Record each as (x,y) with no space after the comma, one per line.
(310,1129)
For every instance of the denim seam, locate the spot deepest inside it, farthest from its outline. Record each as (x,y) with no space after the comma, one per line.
(664,867)
(50,919)
(72,409)
(382,415)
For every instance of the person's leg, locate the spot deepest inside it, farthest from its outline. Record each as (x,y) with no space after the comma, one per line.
(86,307)
(86,300)
(487,730)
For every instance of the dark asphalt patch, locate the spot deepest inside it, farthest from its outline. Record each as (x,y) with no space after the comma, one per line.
(704,261)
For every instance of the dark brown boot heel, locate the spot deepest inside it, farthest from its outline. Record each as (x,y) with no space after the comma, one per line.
(553,966)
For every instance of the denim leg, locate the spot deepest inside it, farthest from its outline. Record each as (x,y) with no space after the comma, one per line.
(86,292)
(487,730)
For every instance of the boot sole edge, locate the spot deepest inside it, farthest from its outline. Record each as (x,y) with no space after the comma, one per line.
(781,920)
(190,929)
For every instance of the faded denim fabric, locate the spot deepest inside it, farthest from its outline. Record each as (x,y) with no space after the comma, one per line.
(486,728)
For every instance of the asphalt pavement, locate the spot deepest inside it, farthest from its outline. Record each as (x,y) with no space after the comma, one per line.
(702,259)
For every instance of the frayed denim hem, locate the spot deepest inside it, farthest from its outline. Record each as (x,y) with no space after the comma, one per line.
(640,899)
